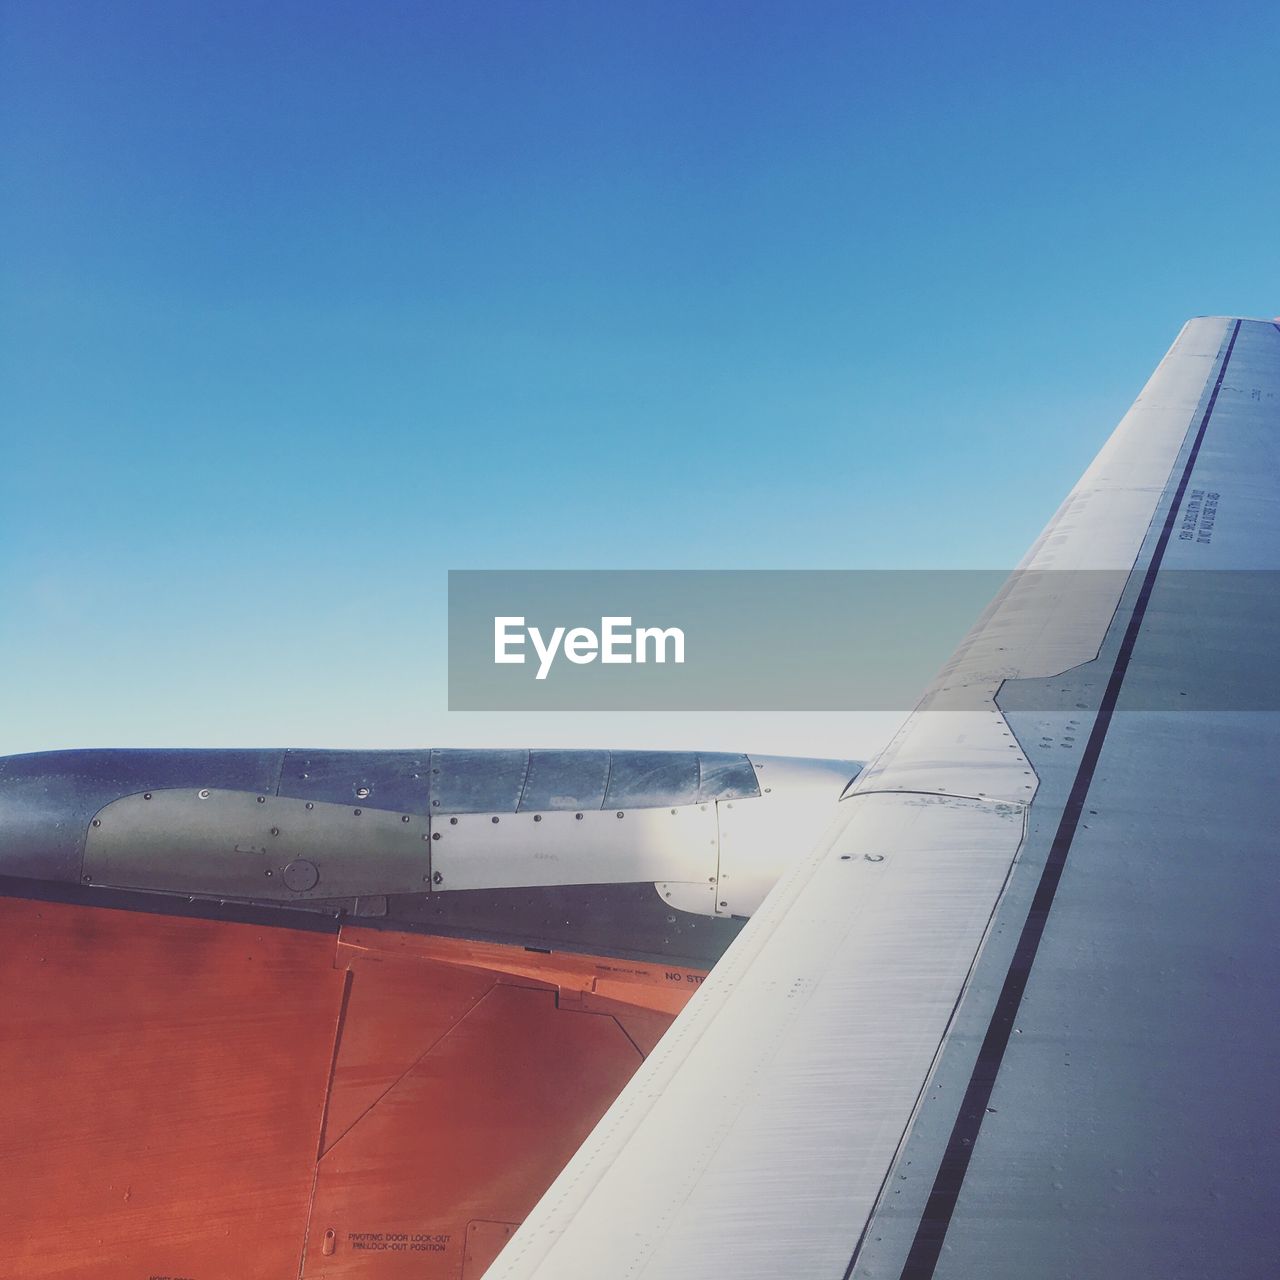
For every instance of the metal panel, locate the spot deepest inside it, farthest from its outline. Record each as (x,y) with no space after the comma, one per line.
(48,798)
(760,836)
(722,776)
(477,781)
(373,779)
(624,920)
(235,844)
(475,1124)
(481,851)
(693,897)
(485,1240)
(1129,1130)
(565,780)
(644,778)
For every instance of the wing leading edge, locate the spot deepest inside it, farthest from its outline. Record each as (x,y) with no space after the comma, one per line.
(967,1034)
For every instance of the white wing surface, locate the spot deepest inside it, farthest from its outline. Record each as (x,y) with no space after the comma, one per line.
(1015,1015)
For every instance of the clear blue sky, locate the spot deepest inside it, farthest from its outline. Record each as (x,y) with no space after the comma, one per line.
(305,303)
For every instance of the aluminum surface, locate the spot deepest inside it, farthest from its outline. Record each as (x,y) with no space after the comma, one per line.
(237,844)
(799,800)
(494,851)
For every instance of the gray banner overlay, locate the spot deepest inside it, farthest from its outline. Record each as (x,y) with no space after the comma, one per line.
(802,640)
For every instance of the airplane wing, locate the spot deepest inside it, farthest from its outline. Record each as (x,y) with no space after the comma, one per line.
(1015,1015)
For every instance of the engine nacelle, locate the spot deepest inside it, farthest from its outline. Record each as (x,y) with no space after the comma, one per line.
(345,829)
